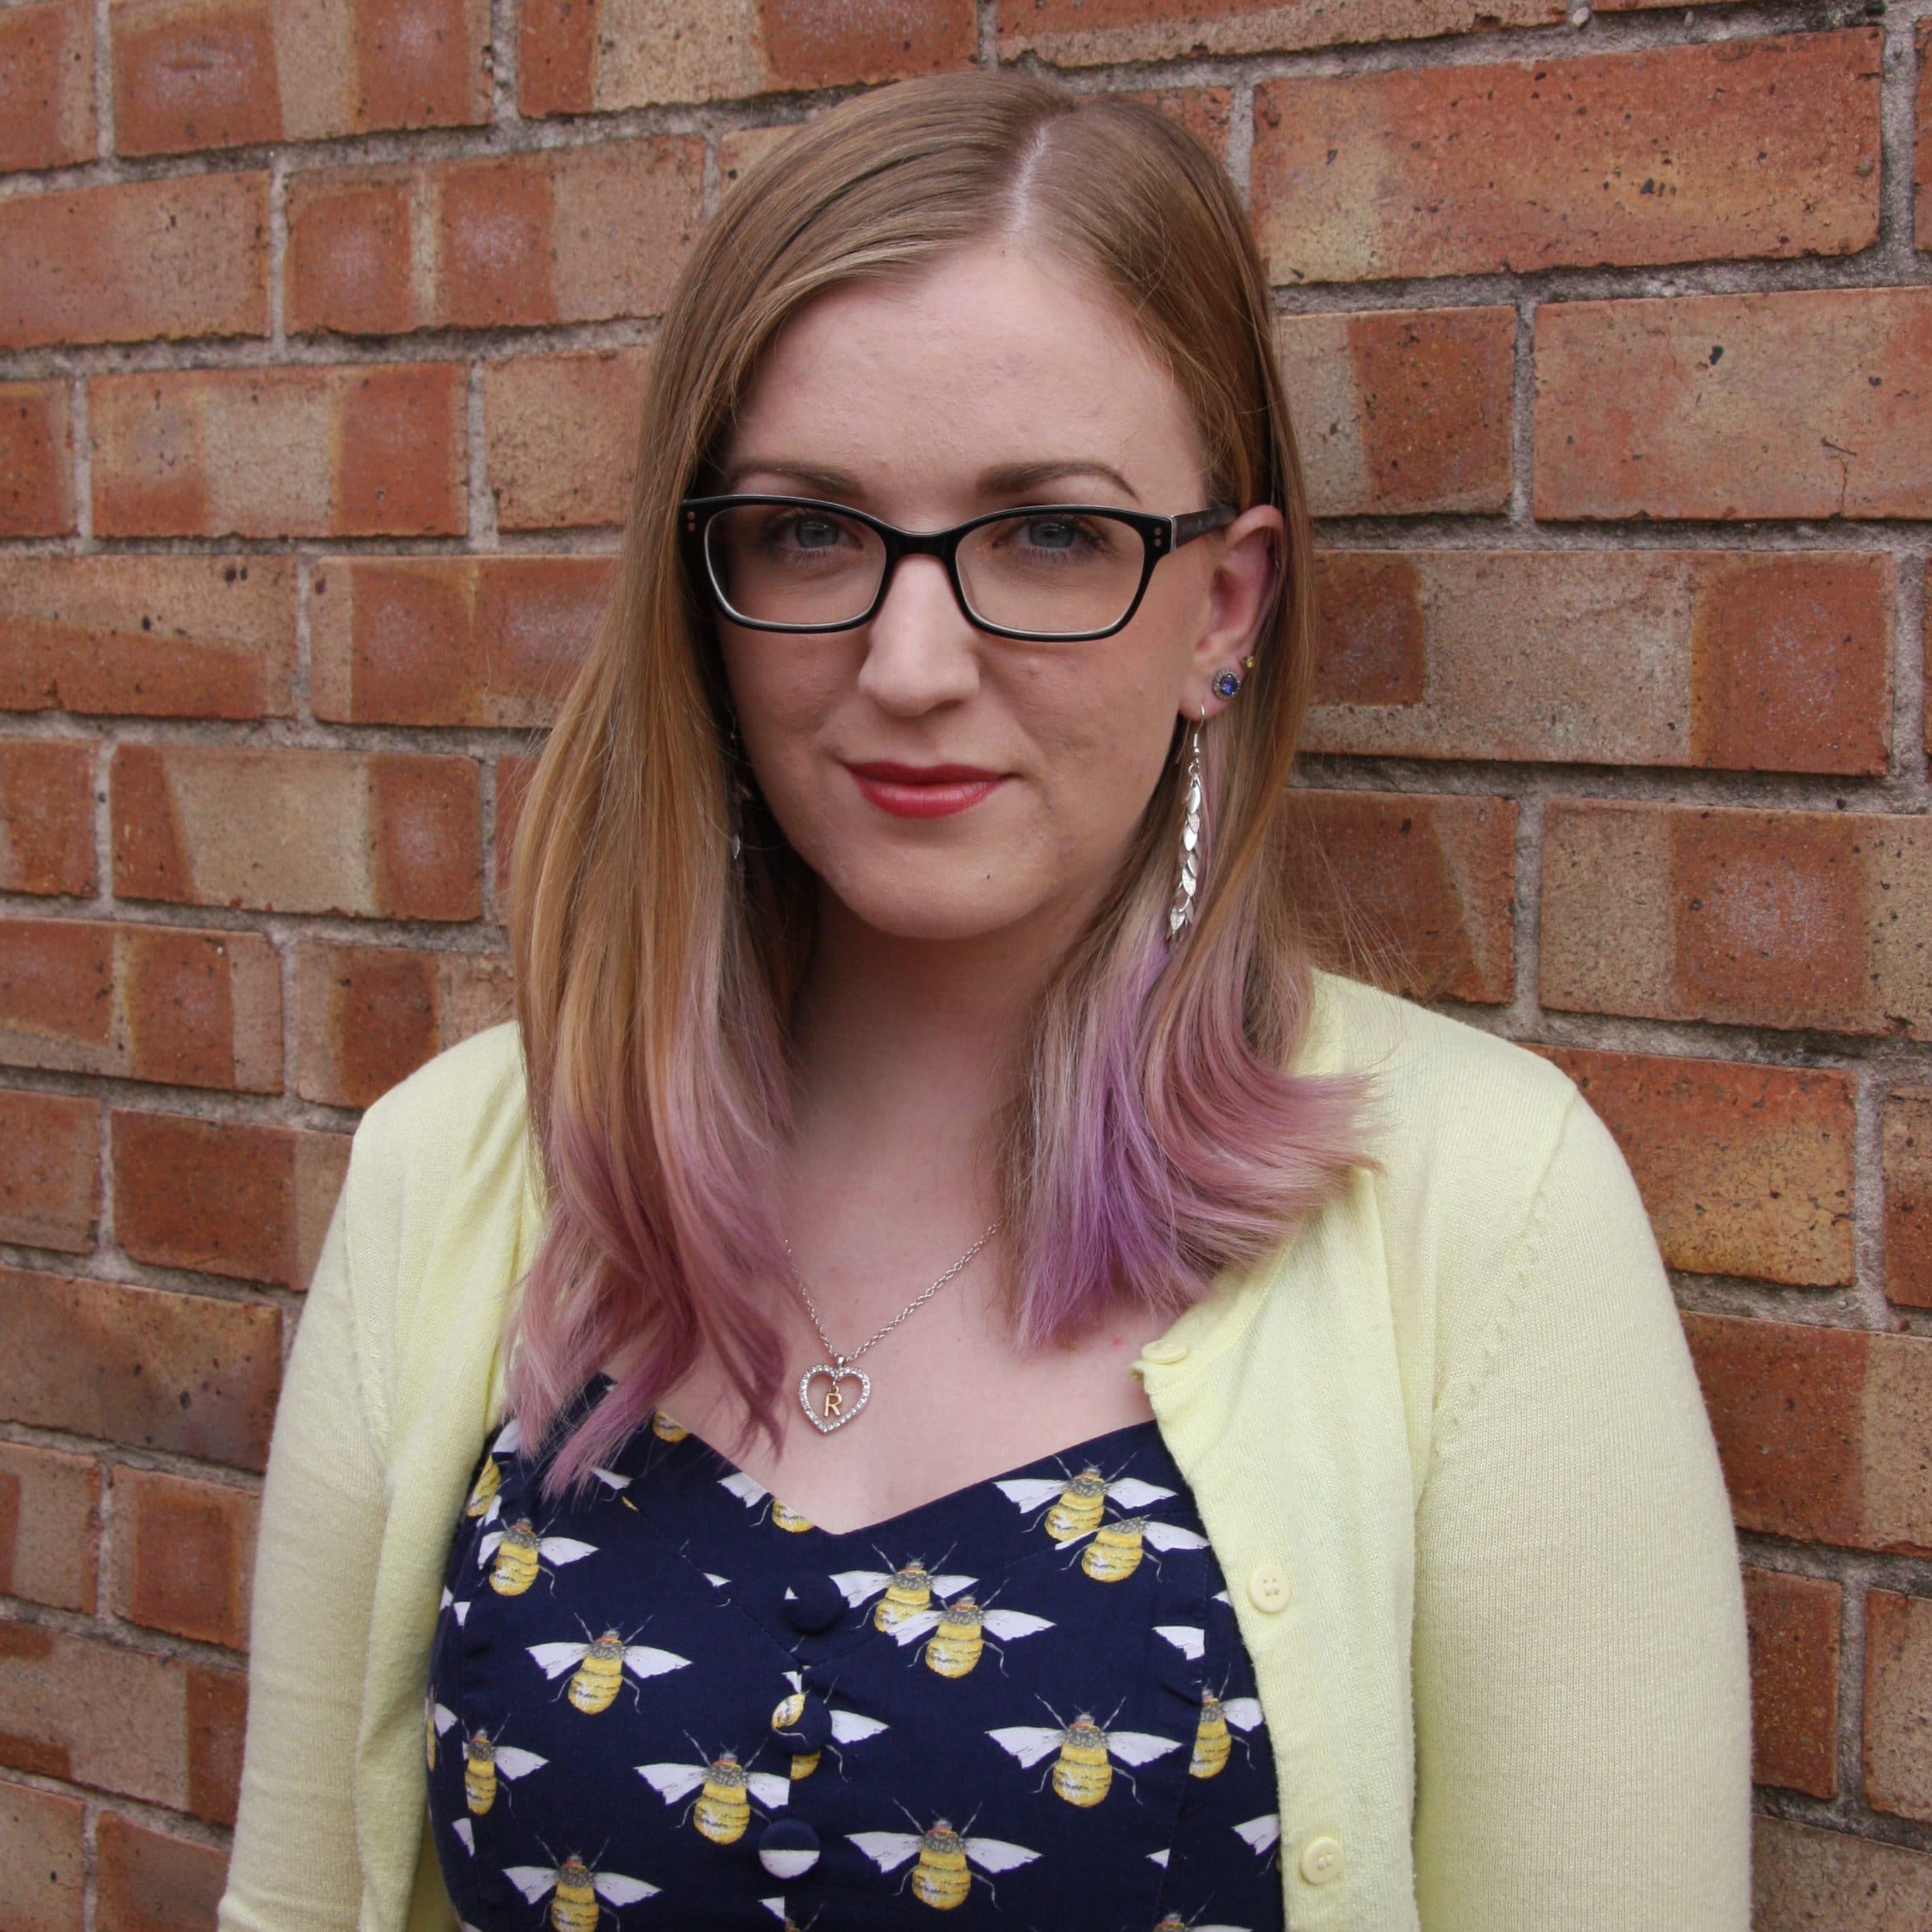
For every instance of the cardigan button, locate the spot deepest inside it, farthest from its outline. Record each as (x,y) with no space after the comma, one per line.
(788,1847)
(1165,1351)
(1321,1860)
(1267,1587)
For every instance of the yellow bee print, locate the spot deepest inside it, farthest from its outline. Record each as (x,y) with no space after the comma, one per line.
(848,1727)
(598,1667)
(438,1719)
(751,1494)
(960,1630)
(725,1791)
(1079,1501)
(941,1878)
(515,1556)
(1212,1744)
(1115,1552)
(907,1591)
(484,1761)
(576,1890)
(489,1478)
(667,1428)
(1082,1771)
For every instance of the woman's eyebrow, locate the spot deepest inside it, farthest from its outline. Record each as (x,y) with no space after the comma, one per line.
(1004,480)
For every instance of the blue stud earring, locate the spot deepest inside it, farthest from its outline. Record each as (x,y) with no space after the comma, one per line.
(1227,683)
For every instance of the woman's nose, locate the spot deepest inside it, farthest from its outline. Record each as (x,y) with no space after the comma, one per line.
(921,650)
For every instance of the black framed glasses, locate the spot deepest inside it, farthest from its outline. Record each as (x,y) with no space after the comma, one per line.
(1044,573)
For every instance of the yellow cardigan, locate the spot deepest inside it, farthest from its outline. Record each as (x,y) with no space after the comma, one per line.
(1448,1445)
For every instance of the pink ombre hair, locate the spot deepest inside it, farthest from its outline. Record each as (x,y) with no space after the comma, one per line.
(1157,1137)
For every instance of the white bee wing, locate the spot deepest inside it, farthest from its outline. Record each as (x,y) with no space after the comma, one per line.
(1028,1742)
(1185,1638)
(1260,1833)
(1221,1596)
(855,1585)
(510,1438)
(494,1507)
(533,1881)
(796,1679)
(887,1850)
(444,1717)
(1030,1492)
(952,1585)
(1137,1747)
(486,1548)
(641,1660)
(609,1478)
(1133,1494)
(768,1789)
(915,1625)
(672,1782)
(619,1890)
(1168,1536)
(554,1659)
(848,1727)
(447,1599)
(742,1486)
(565,1549)
(1009,1624)
(461,1612)
(466,1832)
(1243,1712)
(513,1763)
(716,1582)
(775,1906)
(995,1855)
(1161,1858)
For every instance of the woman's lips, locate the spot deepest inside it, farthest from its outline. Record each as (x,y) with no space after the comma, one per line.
(923,791)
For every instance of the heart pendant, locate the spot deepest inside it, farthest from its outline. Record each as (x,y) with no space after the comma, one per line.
(836,1408)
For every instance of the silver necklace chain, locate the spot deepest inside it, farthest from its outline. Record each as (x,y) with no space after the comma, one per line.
(878,1334)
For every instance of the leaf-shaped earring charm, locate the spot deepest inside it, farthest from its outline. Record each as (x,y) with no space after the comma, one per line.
(1182,910)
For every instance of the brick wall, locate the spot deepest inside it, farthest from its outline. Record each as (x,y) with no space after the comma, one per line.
(1610,337)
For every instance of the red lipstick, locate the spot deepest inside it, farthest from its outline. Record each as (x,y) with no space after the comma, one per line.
(922,791)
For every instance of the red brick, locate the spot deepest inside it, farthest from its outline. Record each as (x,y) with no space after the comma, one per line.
(1767,662)
(1908,1196)
(1741,148)
(236,826)
(49,1170)
(1804,403)
(217,74)
(184,256)
(370,450)
(1745,1169)
(36,460)
(1922,150)
(162,1003)
(46,85)
(1898,1695)
(151,1882)
(1398,412)
(142,1366)
(566,235)
(218,1715)
(1754,918)
(1806,1879)
(50,1522)
(1412,890)
(1821,1431)
(560,436)
(512,777)
(153,637)
(366,1015)
(1793,1623)
(437,640)
(184,1555)
(43,1854)
(226,1197)
(576,55)
(46,816)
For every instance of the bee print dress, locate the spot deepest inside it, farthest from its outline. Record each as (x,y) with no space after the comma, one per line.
(677,1704)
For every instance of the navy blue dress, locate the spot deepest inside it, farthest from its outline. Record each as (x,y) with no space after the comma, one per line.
(677,1704)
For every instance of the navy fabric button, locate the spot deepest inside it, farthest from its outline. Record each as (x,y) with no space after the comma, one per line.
(813,1603)
(788,1848)
(801,1724)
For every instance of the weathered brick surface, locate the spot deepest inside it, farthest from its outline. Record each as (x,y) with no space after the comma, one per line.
(382,834)
(46,815)
(1806,1879)
(577,56)
(1410,890)
(1748,147)
(36,461)
(218,73)
(1898,1696)
(1821,1431)
(183,1555)
(43,1854)
(1745,1169)
(185,256)
(364,450)
(1908,1196)
(152,1882)
(1756,918)
(147,1002)
(1793,1625)
(49,1515)
(47,84)
(1726,660)
(141,1366)
(49,1169)
(434,640)
(162,636)
(1813,402)
(561,436)
(226,1197)
(366,1015)
(1921,152)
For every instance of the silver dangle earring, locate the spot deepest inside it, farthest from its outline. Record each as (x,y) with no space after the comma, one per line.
(740,791)
(1182,910)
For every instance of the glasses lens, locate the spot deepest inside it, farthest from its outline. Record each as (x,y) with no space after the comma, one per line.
(779,564)
(1051,572)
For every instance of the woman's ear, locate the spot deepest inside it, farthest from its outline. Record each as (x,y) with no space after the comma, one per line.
(1240,591)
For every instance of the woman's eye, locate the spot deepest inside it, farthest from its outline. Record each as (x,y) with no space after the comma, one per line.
(813,533)
(1052,533)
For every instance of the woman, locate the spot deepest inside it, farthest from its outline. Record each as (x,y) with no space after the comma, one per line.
(997,1390)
